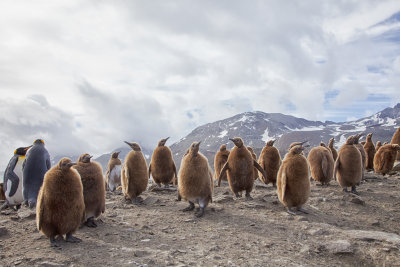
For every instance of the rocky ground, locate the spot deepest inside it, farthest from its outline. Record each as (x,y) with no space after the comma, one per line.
(341,229)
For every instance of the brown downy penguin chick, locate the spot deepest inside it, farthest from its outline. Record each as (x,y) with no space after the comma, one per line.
(113,174)
(219,161)
(134,175)
(293,181)
(162,166)
(362,151)
(348,166)
(239,168)
(93,188)
(370,152)
(332,148)
(378,145)
(195,179)
(385,157)
(255,171)
(396,140)
(321,164)
(270,160)
(60,207)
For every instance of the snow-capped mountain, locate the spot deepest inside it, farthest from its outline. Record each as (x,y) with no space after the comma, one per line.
(255,128)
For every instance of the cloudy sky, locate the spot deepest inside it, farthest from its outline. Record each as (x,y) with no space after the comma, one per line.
(86,75)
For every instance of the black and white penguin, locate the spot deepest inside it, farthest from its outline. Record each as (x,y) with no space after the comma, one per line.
(13,179)
(36,164)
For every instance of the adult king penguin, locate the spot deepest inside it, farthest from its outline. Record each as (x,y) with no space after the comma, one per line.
(13,179)
(36,164)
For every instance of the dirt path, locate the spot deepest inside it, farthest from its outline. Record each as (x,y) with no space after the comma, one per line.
(341,230)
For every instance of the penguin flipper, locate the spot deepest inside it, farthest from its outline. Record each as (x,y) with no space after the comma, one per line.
(337,166)
(48,163)
(284,182)
(258,167)
(14,183)
(224,169)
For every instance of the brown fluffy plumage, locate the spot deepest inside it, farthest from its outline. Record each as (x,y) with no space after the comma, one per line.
(60,207)
(396,141)
(134,174)
(195,179)
(348,166)
(385,157)
(2,195)
(321,164)
(270,161)
(254,156)
(93,188)
(113,174)
(362,151)
(293,181)
(162,166)
(332,148)
(378,145)
(239,168)
(219,161)
(370,152)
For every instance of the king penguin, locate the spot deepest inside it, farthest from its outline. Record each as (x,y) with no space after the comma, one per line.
(113,174)
(13,179)
(36,164)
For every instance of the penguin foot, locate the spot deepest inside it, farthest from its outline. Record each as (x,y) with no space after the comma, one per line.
(288,210)
(302,210)
(274,186)
(354,191)
(53,243)
(248,197)
(159,185)
(72,239)
(237,195)
(200,213)
(5,205)
(345,190)
(179,198)
(137,201)
(190,208)
(91,223)
(31,204)
(166,186)
(17,207)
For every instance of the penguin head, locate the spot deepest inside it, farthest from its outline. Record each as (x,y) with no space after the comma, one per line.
(21,151)
(331,141)
(271,142)
(222,147)
(194,148)
(134,146)
(298,144)
(350,140)
(162,141)
(369,137)
(115,155)
(378,143)
(85,158)
(297,149)
(237,141)
(322,144)
(38,142)
(65,164)
(357,138)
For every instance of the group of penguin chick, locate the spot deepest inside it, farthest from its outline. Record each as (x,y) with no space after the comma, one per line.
(73,193)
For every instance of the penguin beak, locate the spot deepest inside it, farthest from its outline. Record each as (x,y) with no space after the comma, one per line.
(273,141)
(232,139)
(129,144)
(71,164)
(26,148)
(198,144)
(166,139)
(118,152)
